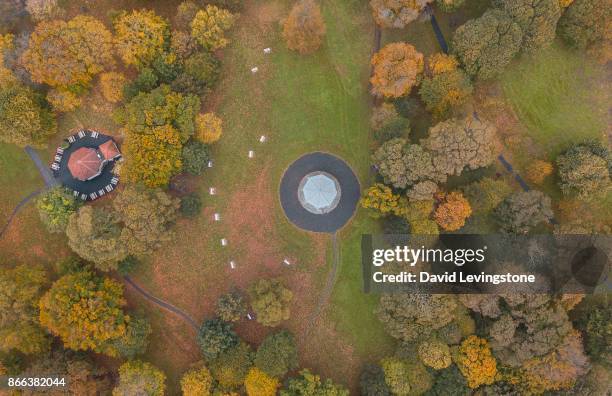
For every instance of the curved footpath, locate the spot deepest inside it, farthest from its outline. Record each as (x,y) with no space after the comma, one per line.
(161,303)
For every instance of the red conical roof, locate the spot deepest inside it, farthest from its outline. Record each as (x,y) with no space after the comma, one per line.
(84,163)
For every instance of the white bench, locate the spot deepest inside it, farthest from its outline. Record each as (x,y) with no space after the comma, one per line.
(71,139)
(81,134)
(55,166)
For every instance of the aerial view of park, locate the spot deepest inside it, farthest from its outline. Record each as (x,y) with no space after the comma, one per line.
(186,188)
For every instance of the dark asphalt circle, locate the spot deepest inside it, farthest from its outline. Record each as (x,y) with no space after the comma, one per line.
(349,185)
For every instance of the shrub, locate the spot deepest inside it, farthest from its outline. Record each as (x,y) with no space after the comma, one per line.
(55,208)
(195,157)
(304,28)
(191,206)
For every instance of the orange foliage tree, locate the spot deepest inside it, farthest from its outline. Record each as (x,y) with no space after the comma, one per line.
(68,54)
(538,170)
(476,362)
(397,68)
(452,211)
(304,29)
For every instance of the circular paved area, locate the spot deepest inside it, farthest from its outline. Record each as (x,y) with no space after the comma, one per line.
(319,162)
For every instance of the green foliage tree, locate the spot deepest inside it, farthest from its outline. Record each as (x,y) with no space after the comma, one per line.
(585,171)
(95,234)
(457,144)
(145,82)
(195,157)
(232,366)
(522,211)
(140,378)
(209,25)
(200,74)
(435,354)
(396,375)
(449,382)
(487,44)
(197,382)
(372,381)
(20,291)
(231,307)
(191,205)
(538,20)
(67,54)
(146,215)
(304,28)
(596,325)
(140,36)
(215,337)
(55,208)
(485,194)
(445,91)
(411,317)
(309,384)
(25,118)
(277,354)
(136,338)
(584,22)
(270,301)
(86,311)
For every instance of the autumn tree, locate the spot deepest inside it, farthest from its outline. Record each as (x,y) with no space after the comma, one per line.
(457,144)
(140,378)
(111,85)
(449,5)
(397,68)
(397,13)
(521,211)
(485,194)
(595,324)
(396,374)
(372,381)
(270,301)
(449,382)
(200,74)
(231,307)
(381,201)
(146,215)
(63,100)
(185,12)
(307,383)
(25,117)
(538,21)
(387,123)
(209,128)
(585,170)
(41,10)
(444,88)
(136,338)
(20,290)
(435,354)
(231,367)
(141,36)
(476,362)
(304,28)
(585,22)
(68,54)
(209,25)
(86,311)
(195,157)
(411,317)
(95,234)
(277,354)
(258,383)
(487,44)
(197,382)
(538,170)
(55,207)
(215,337)
(452,211)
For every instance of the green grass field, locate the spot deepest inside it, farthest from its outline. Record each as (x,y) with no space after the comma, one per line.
(558,98)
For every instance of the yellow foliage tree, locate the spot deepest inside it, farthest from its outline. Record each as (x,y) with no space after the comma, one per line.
(63,100)
(397,68)
(382,201)
(209,127)
(140,36)
(476,362)
(153,157)
(439,63)
(452,211)
(209,25)
(111,85)
(435,354)
(197,382)
(538,170)
(304,28)
(258,383)
(65,54)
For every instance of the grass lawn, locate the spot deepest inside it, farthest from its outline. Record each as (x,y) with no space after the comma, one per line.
(558,97)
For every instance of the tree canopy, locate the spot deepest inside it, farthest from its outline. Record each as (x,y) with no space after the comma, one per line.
(140,378)
(585,22)
(304,28)
(397,68)
(209,25)
(397,13)
(585,170)
(277,354)
(141,36)
(270,300)
(55,208)
(309,384)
